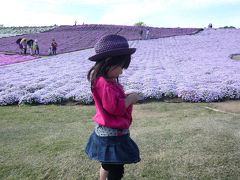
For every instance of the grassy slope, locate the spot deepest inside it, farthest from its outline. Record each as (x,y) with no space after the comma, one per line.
(177,141)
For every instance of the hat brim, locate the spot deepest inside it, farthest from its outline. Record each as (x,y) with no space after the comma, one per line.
(112,53)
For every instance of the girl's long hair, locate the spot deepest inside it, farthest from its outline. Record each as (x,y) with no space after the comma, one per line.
(102,67)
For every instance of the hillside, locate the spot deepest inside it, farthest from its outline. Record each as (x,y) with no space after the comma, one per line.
(196,68)
(73,38)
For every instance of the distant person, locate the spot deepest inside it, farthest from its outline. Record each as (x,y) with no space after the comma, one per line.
(21,48)
(141,33)
(75,23)
(24,45)
(20,45)
(54,47)
(36,47)
(110,143)
(30,46)
(147,34)
(210,25)
(50,51)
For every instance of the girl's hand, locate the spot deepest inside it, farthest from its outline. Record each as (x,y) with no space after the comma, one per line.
(131,99)
(140,95)
(134,97)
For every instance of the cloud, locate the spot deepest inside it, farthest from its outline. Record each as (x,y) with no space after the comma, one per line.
(99,2)
(54,18)
(161,13)
(39,13)
(228,21)
(133,12)
(195,4)
(41,19)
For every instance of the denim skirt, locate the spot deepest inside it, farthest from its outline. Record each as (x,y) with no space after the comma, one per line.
(112,149)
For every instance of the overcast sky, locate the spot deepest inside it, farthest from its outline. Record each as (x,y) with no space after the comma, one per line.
(156,13)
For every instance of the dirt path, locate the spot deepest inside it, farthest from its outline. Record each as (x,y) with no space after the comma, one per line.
(228,106)
(232,106)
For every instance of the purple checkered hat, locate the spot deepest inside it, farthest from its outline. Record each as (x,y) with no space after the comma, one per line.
(111,45)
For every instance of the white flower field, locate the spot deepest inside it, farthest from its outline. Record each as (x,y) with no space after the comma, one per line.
(14,31)
(196,68)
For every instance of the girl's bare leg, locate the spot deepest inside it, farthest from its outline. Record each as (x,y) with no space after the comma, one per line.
(103,174)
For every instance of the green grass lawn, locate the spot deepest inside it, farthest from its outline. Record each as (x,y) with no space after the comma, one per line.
(176,141)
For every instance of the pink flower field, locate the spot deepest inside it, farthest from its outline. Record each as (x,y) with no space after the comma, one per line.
(195,68)
(10,59)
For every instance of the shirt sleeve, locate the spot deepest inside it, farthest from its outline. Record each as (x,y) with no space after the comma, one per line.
(112,102)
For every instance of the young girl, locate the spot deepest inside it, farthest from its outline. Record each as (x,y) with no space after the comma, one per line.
(110,143)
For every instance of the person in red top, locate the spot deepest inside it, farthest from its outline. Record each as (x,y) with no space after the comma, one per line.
(110,143)
(54,47)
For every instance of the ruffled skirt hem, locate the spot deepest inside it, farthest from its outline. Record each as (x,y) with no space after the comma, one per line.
(112,149)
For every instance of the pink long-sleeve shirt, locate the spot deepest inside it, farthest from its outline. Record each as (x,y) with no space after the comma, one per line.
(111,110)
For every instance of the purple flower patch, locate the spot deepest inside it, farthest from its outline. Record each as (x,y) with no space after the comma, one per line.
(73,38)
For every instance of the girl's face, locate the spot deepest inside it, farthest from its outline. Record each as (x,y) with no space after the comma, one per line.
(114,71)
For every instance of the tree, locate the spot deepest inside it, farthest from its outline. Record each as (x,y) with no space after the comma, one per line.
(140,24)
